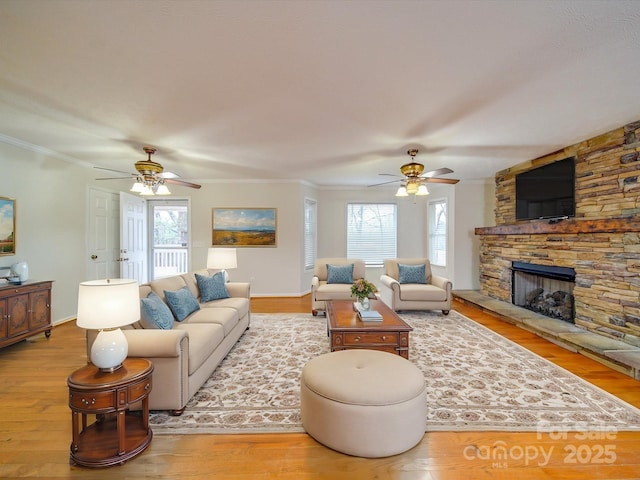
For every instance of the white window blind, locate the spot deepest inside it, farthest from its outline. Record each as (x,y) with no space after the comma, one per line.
(437,212)
(371,231)
(310,232)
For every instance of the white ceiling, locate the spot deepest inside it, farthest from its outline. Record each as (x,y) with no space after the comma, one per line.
(331,92)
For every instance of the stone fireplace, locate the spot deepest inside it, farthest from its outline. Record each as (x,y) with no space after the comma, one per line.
(601,242)
(544,289)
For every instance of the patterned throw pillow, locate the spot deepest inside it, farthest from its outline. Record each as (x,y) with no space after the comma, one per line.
(340,273)
(412,273)
(212,288)
(182,303)
(154,313)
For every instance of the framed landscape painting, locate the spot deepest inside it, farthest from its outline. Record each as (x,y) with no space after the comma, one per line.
(7,226)
(244,227)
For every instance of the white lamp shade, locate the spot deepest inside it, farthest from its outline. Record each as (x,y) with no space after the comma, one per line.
(222,258)
(109,303)
(422,190)
(137,187)
(163,190)
(402,192)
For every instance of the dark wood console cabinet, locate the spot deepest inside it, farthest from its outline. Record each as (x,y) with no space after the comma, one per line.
(25,310)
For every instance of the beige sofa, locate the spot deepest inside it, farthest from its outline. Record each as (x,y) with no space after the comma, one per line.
(321,291)
(435,294)
(186,355)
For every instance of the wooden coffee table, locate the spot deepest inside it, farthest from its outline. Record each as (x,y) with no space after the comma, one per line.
(347,331)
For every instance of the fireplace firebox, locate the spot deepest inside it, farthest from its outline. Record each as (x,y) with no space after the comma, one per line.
(544,289)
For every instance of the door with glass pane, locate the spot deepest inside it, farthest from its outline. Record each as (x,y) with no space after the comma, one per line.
(169,242)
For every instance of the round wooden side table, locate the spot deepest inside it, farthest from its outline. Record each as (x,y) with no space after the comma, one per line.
(117,434)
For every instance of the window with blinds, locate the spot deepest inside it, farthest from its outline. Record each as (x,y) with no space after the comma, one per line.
(437,212)
(372,232)
(310,232)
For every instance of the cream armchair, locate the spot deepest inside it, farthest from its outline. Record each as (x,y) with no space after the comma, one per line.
(324,288)
(408,292)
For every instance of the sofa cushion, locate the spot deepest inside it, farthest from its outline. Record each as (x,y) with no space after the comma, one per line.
(154,313)
(228,318)
(171,284)
(182,303)
(204,338)
(412,273)
(240,304)
(340,273)
(212,288)
(422,293)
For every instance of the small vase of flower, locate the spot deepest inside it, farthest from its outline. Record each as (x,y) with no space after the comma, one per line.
(362,289)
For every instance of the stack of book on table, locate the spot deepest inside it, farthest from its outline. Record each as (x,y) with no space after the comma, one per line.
(367,315)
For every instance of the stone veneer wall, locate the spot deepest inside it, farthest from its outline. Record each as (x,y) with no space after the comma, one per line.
(602,242)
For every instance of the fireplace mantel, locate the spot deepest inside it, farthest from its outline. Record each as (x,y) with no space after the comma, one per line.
(566,226)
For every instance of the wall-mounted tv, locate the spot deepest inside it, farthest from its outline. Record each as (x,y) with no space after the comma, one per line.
(547,191)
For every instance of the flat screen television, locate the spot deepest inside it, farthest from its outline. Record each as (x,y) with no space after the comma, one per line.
(547,191)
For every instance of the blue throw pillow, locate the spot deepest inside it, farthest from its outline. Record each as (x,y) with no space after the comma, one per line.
(340,273)
(154,313)
(182,303)
(212,288)
(412,273)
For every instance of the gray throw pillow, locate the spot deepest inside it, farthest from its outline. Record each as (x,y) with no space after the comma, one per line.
(154,313)
(182,303)
(340,273)
(212,288)
(412,273)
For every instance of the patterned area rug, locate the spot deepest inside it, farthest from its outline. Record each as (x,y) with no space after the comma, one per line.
(476,380)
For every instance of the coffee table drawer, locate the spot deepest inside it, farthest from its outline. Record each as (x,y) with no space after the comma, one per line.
(377,338)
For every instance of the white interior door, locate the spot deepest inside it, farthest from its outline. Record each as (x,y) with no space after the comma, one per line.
(103,236)
(133,237)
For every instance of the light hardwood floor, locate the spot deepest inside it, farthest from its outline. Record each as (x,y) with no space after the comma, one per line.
(35,429)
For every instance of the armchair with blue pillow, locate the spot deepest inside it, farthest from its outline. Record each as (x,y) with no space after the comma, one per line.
(332,280)
(409,284)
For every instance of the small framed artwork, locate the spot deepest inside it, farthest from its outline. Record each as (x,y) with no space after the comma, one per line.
(244,227)
(7,226)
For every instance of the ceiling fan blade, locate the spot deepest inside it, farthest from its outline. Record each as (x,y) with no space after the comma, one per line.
(169,175)
(435,173)
(390,175)
(112,170)
(182,182)
(115,178)
(441,180)
(385,183)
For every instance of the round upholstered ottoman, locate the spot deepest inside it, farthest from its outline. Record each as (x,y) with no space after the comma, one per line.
(363,402)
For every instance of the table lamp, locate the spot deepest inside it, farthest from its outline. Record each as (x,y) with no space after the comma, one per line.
(221,259)
(107,305)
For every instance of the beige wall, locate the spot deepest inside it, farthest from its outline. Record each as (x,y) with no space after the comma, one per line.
(50,232)
(52,194)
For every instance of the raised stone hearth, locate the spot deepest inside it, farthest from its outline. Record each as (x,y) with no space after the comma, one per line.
(617,355)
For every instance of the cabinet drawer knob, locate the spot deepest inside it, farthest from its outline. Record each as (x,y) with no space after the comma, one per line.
(384,338)
(88,403)
(357,339)
(146,387)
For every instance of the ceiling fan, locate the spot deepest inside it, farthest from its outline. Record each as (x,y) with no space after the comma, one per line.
(415,177)
(150,178)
